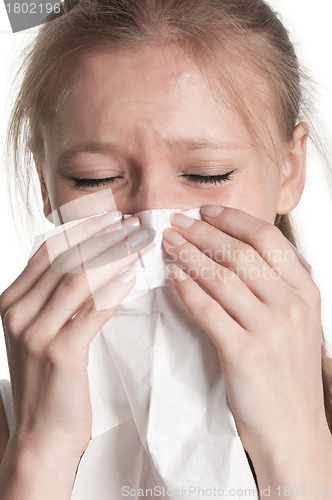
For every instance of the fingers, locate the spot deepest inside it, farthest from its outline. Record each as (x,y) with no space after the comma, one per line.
(237,256)
(40,262)
(113,253)
(267,240)
(53,291)
(223,285)
(223,330)
(102,248)
(79,332)
(59,312)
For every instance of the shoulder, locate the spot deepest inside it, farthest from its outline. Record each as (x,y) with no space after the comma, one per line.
(4,426)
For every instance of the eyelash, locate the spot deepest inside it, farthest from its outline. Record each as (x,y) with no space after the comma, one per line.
(210,179)
(81,182)
(206,179)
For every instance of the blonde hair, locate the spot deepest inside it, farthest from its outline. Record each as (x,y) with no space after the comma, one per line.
(250,34)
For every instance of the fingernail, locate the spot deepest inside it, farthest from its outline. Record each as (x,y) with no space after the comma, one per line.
(177,274)
(211,210)
(131,222)
(138,237)
(125,275)
(181,220)
(110,218)
(173,237)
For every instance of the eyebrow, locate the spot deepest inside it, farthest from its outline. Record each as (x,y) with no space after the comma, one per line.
(110,147)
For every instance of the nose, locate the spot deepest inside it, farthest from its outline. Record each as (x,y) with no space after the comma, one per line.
(152,188)
(152,192)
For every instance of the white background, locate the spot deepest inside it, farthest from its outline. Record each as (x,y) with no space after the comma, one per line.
(309,24)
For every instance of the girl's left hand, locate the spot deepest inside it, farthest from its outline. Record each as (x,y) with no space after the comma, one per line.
(252,295)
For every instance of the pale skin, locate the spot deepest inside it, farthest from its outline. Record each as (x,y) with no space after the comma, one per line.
(156,108)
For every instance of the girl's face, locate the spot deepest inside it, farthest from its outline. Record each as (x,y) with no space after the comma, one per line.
(146,124)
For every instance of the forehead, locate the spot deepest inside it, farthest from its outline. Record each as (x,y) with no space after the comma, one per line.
(160,88)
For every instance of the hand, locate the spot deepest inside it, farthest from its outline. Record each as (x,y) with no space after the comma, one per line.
(49,320)
(257,302)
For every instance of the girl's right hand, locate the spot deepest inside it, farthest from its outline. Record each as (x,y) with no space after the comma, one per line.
(49,320)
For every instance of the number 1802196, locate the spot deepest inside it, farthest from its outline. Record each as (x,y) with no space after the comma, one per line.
(304,491)
(33,8)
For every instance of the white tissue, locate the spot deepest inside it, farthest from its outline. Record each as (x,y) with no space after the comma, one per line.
(160,413)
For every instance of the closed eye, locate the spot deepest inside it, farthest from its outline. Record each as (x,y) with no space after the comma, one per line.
(206,179)
(211,179)
(85,182)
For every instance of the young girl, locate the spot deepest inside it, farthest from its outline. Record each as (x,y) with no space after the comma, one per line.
(174,105)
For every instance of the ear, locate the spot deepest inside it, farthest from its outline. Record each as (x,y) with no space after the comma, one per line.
(47,209)
(293,171)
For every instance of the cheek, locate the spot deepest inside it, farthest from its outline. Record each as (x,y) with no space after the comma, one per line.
(256,195)
(59,191)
